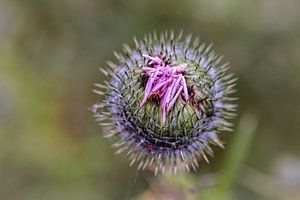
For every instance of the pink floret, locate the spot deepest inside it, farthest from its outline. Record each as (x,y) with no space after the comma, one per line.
(167,81)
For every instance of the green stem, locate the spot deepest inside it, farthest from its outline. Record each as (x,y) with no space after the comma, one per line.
(234,159)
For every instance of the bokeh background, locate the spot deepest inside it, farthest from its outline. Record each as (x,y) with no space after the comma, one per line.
(50,52)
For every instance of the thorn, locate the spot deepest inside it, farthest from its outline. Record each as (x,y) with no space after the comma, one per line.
(98,92)
(136,42)
(103,71)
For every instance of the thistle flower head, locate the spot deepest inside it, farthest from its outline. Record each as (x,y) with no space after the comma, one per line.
(166,101)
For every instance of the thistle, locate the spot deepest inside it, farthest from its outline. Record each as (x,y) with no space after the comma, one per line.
(166,102)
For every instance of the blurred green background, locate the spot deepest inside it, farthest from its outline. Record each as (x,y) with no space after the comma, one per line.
(50,52)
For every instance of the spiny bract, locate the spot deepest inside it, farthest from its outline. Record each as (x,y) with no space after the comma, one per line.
(166,101)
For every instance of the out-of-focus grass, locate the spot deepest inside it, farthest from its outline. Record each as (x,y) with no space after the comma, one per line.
(234,159)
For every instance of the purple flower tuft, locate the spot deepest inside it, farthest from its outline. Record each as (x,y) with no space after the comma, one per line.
(165,80)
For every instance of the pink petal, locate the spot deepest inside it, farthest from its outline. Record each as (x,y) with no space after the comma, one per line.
(163,116)
(175,86)
(185,90)
(161,84)
(167,98)
(174,99)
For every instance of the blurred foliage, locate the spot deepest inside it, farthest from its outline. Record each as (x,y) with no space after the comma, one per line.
(50,53)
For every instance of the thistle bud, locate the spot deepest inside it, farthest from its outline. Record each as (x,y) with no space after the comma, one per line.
(166,101)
